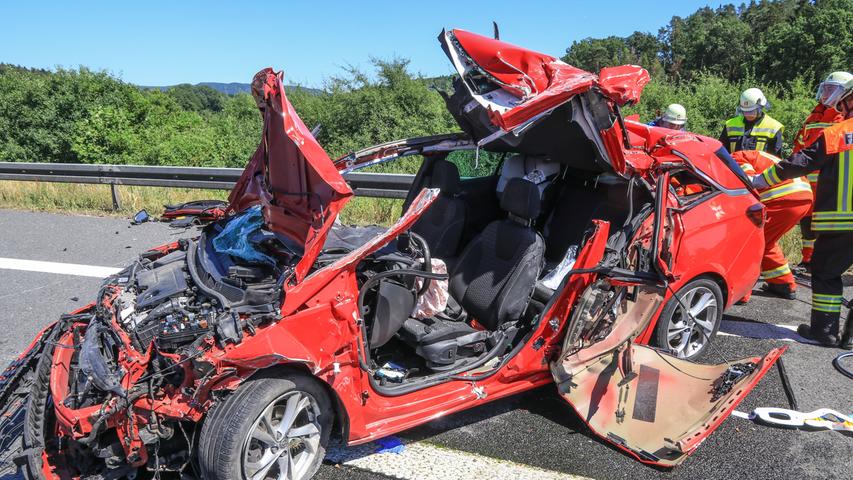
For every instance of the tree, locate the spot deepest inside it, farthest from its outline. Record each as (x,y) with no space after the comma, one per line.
(592,54)
(359,109)
(818,40)
(197,98)
(711,40)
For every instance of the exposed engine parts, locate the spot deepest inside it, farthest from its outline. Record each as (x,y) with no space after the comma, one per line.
(139,366)
(178,297)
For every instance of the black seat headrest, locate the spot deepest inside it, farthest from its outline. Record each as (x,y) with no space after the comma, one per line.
(445,176)
(521,198)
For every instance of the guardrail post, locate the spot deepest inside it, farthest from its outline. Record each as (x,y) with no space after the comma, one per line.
(116,198)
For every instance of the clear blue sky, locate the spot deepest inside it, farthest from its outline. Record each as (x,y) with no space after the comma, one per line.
(164,43)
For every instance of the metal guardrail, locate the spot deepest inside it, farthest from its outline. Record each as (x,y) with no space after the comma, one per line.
(378,185)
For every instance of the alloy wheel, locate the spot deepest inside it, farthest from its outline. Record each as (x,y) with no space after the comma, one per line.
(284,440)
(692,322)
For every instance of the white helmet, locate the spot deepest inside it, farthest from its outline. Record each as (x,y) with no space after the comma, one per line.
(675,114)
(832,90)
(752,99)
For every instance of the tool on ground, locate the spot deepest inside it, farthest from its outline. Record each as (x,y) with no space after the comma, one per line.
(824,418)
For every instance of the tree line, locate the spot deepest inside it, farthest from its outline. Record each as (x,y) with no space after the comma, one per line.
(702,61)
(767,41)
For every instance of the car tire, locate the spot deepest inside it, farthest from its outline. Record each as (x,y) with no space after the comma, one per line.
(680,335)
(243,434)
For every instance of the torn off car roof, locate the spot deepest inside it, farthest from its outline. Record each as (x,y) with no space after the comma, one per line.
(516,84)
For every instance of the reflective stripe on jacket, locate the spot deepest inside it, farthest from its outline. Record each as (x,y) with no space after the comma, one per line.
(754,162)
(832,154)
(765,131)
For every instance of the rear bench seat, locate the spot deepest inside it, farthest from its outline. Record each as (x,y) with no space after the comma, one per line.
(577,205)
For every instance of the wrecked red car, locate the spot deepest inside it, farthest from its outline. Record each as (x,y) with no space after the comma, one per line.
(237,354)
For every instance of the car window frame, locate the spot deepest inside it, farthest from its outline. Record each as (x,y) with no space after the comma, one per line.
(684,206)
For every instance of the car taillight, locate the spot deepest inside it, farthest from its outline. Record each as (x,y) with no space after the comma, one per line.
(756,214)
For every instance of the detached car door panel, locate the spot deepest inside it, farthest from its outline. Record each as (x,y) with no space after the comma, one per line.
(655,406)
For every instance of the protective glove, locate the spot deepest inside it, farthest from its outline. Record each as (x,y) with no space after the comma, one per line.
(758,182)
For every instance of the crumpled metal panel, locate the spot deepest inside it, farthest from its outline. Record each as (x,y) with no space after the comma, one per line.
(623,84)
(523,72)
(290,175)
(541,82)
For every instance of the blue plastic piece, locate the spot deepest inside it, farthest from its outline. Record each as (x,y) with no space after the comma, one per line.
(234,239)
(390,445)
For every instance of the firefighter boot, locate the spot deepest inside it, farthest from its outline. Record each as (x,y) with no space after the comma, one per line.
(781,290)
(823,338)
(823,328)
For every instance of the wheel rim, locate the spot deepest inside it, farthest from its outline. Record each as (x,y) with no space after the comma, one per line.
(692,322)
(284,441)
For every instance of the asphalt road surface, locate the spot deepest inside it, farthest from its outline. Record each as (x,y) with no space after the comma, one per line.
(533,435)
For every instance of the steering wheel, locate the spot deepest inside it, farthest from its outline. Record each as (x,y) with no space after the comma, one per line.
(415,249)
(418,248)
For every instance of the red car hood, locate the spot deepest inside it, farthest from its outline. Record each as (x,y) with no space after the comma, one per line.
(516,84)
(290,175)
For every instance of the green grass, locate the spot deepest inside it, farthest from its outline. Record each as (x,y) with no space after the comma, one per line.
(792,244)
(96,200)
(365,211)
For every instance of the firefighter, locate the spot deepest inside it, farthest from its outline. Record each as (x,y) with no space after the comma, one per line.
(820,118)
(785,204)
(832,217)
(674,117)
(753,128)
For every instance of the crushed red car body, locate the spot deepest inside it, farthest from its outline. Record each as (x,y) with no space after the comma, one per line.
(236,354)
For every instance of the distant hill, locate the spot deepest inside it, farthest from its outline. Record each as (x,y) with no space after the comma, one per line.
(233,88)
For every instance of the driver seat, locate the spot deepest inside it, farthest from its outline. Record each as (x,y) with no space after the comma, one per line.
(442,224)
(492,283)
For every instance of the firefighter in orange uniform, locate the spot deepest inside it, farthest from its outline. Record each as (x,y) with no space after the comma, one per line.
(785,204)
(832,155)
(820,118)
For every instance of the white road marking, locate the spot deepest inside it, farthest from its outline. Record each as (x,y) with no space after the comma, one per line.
(423,461)
(55,267)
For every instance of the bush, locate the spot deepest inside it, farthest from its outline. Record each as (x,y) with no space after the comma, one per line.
(710,100)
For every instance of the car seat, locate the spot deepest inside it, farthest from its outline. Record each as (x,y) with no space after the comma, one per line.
(442,224)
(492,283)
(536,169)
